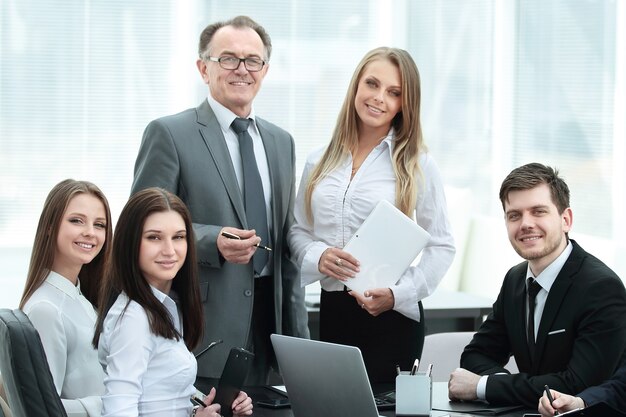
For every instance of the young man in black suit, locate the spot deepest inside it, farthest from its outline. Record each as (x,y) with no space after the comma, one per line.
(576,335)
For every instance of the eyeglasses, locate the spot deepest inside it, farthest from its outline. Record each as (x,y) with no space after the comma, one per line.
(232,63)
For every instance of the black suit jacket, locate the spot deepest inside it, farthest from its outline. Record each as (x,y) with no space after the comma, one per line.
(612,392)
(186,153)
(585,309)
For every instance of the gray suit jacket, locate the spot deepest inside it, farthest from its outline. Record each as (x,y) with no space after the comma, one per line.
(186,153)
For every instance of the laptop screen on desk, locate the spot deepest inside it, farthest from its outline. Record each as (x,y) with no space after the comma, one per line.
(324,379)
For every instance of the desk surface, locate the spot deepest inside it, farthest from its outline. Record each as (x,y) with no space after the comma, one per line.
(445,299)
(440,392)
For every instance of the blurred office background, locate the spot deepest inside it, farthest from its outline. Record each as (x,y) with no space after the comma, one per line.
(504,82)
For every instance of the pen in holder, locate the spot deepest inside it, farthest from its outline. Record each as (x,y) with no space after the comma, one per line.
(414,394)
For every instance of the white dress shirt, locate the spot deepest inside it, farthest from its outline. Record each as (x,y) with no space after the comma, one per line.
(146,375)
(65,321)
(340,205)
(225,118)
(546,278)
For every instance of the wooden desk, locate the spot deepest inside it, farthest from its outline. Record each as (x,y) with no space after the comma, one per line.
(444,311)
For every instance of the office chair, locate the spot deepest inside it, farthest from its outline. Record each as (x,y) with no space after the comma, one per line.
(444,350)
(24,367)
(4,408)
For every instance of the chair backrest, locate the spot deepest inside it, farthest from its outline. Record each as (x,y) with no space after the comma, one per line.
(444,350)
(4,408)
(27,378)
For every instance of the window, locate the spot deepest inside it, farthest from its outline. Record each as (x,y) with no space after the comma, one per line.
(503,83)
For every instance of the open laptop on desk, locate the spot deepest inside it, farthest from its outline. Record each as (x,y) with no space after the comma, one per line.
(324,379)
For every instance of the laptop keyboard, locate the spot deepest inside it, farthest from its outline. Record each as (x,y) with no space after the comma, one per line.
(385,400)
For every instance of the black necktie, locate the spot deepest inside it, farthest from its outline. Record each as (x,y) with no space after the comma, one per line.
(253,198)
(532,288)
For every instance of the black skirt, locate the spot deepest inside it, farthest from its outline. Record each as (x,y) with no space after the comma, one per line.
(385,341)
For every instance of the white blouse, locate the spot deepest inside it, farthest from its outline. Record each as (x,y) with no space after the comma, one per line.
(65,320)
(340,205)
(146,375)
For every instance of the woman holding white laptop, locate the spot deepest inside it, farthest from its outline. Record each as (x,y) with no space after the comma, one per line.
(376,153)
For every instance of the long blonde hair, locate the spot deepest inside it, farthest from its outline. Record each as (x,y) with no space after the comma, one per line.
(45,245)
(406,124)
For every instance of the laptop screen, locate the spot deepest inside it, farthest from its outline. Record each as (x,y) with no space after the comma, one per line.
(324,379)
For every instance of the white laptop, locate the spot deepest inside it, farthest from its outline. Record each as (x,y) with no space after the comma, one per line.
(324,379)
(386,244)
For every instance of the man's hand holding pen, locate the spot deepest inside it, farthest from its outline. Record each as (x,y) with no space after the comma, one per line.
(558,403)
(238,245)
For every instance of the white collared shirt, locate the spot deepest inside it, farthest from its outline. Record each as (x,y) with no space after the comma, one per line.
(225,118)
(546,278)
(340,206)
(65,321)
(146,375)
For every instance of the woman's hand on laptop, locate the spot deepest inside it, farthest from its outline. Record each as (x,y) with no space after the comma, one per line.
(375,301)
(338,264)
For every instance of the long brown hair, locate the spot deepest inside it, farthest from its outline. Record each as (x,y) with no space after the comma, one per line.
(408,141)
(45,245)
(124,274)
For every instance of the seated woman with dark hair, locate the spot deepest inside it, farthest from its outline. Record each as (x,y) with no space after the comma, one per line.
(151,314)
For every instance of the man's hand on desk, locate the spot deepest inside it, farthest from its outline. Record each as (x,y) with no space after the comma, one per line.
(462,385)
(375,301)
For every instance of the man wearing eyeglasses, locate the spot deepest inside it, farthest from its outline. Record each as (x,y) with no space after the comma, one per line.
(236,173)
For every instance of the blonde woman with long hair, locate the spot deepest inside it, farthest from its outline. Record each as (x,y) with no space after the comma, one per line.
(376,153)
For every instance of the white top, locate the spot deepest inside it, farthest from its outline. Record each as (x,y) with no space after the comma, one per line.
(65,321)
(340,206)
(146,375)
(225,118)
(546,278)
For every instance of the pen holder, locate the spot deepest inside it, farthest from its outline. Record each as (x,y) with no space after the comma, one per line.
(414,395)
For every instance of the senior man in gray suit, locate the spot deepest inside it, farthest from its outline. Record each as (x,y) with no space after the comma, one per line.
(236,173)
